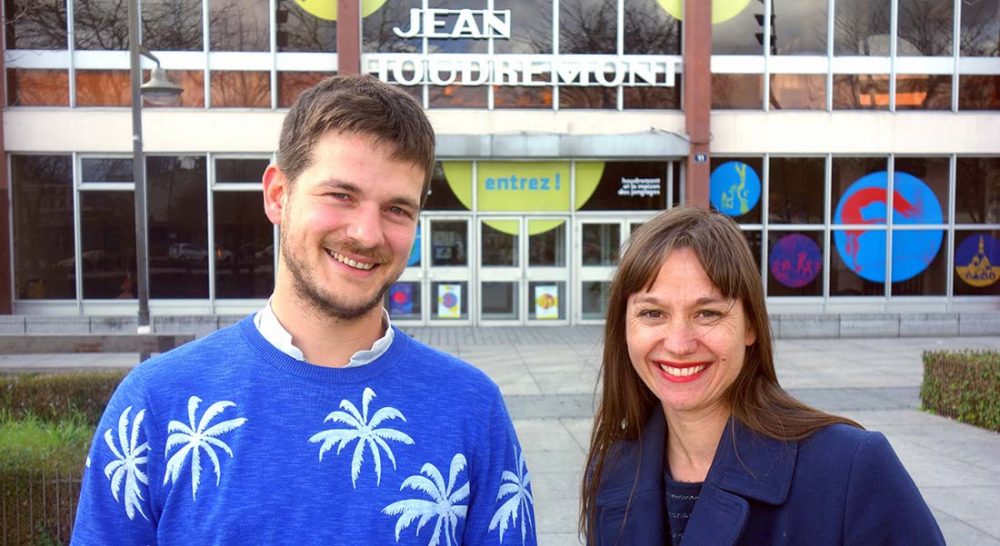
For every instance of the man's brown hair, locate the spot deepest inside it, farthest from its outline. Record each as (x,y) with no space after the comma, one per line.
(362,106)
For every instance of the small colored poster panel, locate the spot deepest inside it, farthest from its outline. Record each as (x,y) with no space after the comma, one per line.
(449,299)
(546,302)
(977,260)
(401,299)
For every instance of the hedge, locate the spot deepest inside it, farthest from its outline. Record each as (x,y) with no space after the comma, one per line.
(52,397)
(963,385)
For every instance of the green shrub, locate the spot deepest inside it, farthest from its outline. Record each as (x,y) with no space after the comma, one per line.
(963,385)
(53,396)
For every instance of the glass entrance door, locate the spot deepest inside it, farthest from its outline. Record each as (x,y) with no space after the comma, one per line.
(523,270)
(449,261)
(599,240)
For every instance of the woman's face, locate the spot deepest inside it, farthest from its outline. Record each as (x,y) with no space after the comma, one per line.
(685,340)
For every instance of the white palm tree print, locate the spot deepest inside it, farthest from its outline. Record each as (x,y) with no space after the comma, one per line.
(443,504)
(366,431)
(129,456)
(517,486)
(198,438)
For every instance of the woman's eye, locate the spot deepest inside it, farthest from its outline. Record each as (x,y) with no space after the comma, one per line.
(650,313)
(708,314)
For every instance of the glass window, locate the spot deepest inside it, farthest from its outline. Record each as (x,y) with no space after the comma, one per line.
(103,88)
(737,91)
(860,92)
(798,91)
(238,25)
(919,266)
(859,189)
(857,268)
(292,84)
(448,22)
(923,92)
(300,30)
(649,29)
(499,244)
(37,87)
(449,243)
(977,255)
(795,263)
(530,27)
(458,96)
(861,28)
(653,98)
(921,190)
(754,240)
(193,83)
(600,244)
(977,191)
(546,243)
(100,24)
(798,27)
(178,227)
(35,24)
(546,300)
(588,26)
(979,93)
(795,190)
(173,25)
(623,185)
(594,300)
(925,28)
(237,171)
(44,250)
(735,187)
(740,33)
(106,169)
(499,300)
(107,233)
(980,34)
(404,301)
(451,300)
(377,28)
(442,194)
(244,246)
(588,98)
(511,96)
(241,89)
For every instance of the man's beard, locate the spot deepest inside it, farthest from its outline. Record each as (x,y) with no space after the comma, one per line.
(311,293)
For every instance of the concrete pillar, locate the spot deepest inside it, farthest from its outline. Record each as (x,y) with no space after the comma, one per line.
(697,82)
(349,36)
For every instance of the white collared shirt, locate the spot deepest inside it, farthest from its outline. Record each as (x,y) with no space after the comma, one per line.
(276,334)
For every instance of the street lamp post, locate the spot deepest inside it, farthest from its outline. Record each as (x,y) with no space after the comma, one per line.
(159,87)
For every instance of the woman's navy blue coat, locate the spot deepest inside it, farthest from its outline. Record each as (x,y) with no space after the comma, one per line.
(842,485)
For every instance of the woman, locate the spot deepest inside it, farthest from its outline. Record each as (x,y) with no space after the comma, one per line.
(695,442)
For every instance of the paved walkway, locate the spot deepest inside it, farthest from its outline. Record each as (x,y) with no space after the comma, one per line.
(548,378)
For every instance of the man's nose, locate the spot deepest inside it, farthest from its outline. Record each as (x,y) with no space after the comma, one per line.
(365,226)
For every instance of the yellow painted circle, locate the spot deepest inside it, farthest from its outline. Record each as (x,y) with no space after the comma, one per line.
(327,9)
(722,10)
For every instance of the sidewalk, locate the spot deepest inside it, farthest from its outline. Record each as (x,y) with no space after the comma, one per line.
(548,378)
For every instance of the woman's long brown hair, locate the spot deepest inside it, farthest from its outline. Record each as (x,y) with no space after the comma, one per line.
(755,397)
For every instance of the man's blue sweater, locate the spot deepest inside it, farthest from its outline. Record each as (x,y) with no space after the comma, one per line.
(227,440)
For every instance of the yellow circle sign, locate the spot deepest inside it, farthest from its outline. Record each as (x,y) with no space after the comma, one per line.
(722,10)
(327,9)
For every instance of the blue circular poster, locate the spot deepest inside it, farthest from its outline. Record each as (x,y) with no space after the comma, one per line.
(795,260)
(865,202)
(977,260)
(734,188)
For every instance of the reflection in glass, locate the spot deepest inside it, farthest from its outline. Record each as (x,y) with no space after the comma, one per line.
(28,87)
(847,171)
(106,169)
(103,88)
(925,27)
(860,91)
(299,30)
(861,28)
(977,262)
(977,191)
(798,26)
(449,20)
(594,299)
(173,25)
(649,29)
(628,185)
(451,300)
(738,35)
(546,243)
(755,240)
(499,300)
(107,233)
(100,24)
(909,255)
(600,244)
(244,246)
(795,263)
(292,84)
(458,96)
(795,190)
(737,91)
(979,93)
(798,91)
(404,301)
(980,34)
(237,171)
(441,196)
(588,26)
(238,25)
(449,242)
(932,171)
(376,29)
(530,27)
(178,227)
(511,96)
(923,92)
(653,98)
(588,97)
(241,89)
(547,300)
(44,251)
(845,279)
(499,244)
(35,24)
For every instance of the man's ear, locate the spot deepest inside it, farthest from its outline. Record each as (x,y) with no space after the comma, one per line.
(276,192)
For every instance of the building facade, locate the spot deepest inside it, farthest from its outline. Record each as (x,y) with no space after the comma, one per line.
(857,143)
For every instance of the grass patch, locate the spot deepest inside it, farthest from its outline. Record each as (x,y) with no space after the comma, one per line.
(29,442)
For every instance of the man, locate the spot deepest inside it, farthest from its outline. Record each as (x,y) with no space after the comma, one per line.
(314,421)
